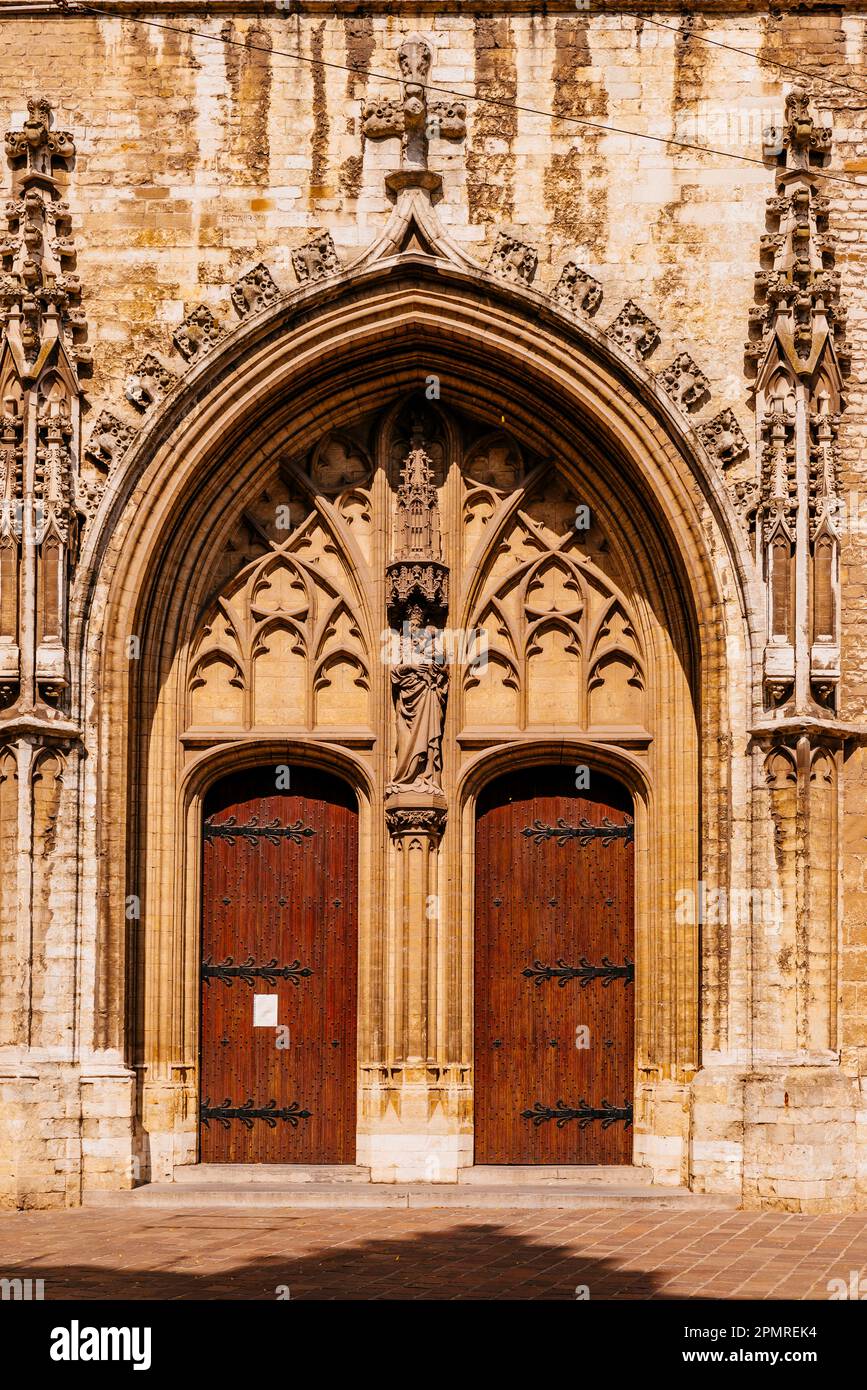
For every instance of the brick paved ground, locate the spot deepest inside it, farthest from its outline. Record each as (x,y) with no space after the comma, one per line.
(247,1254)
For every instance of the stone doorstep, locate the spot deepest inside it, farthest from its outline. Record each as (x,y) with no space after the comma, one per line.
(291,1174)
(347,1195)
(535,1175)
(273,1174)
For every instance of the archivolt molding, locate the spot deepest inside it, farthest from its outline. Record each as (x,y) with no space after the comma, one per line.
(279,347)
(678,391)
(542,749)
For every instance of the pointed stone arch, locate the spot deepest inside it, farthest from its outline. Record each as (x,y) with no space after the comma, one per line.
(255,409)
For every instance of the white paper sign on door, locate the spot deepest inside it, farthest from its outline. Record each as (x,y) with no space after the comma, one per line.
(264,1010)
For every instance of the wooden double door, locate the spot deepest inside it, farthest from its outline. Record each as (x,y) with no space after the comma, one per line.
(554,970)
(279,965)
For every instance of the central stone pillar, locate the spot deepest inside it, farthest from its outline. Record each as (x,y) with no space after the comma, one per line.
(415,825)
(414,1132)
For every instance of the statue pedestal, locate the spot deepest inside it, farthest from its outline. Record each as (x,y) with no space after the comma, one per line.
(415,812)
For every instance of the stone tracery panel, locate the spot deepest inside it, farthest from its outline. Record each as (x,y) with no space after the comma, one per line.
(563,646)
(281,642)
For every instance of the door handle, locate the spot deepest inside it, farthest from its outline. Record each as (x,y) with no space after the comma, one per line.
(498,1042)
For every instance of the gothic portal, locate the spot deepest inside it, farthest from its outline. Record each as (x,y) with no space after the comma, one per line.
(429,682)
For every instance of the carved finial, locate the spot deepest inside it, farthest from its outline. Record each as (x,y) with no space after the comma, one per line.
(804,143)
(797,347)
(798,289)
(38,143)
(413,119)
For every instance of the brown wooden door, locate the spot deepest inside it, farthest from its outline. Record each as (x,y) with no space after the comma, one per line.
(279,919)
(553,957)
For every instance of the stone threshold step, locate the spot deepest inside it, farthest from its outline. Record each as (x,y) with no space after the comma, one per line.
(386,1195)
(293,1174)
(272,1174)
(531,1174)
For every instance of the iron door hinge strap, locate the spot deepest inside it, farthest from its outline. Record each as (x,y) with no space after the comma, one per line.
(583,971)
(253,831)
(585,1114)
(247,971)
(583,832)
(248,1112)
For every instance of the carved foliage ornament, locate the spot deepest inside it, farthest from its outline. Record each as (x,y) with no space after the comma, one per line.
(429,820)
(685,383)
(109,440)
(254,291)
(198,334)
(576,290)
(150,381)
(11,479)
(513,259)
(724,439)
(634,332)
(53,479)
(316,259)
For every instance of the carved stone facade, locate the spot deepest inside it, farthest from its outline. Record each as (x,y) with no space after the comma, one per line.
(346,465)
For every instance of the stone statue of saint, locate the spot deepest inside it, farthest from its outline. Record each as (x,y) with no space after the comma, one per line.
(420,690)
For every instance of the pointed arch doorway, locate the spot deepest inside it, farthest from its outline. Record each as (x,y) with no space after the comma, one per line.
(242,455)
(554,969)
